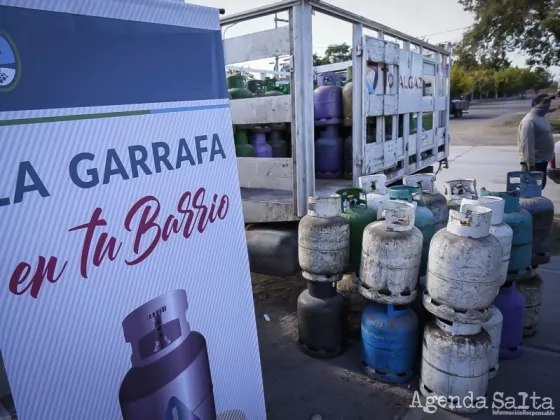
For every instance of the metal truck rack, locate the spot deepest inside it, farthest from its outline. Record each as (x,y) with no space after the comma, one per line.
(276,189)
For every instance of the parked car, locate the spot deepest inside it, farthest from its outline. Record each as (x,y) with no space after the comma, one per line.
(458,107)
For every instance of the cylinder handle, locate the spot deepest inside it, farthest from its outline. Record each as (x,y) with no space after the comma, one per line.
(425,181)
(326,206)
(352,197)
(374,183)
(399,215)
(458,188)
(529,184)
(496,204)
(472,222)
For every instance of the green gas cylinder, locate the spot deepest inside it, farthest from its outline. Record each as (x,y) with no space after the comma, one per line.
(274,92)
(356,211)
(236,87)
(285,89)
(424,218)
(256,87)
(271,88)
(242,146)
(347,98)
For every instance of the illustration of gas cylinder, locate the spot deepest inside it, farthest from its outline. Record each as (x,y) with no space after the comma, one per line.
(170,376)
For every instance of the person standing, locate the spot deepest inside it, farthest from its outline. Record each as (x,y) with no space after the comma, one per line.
(535,142)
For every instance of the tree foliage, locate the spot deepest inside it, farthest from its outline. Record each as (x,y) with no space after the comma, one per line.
(461,82)
(501,26)
(334,54)
(483,81)
(247,75)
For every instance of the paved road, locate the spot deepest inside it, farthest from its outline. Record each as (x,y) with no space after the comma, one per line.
(490,110)
(489,124)
(484,146)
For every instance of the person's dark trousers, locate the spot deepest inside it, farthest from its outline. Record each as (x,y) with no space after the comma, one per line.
(542,167)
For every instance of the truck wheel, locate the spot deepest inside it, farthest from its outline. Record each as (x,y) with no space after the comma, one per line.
(456,113)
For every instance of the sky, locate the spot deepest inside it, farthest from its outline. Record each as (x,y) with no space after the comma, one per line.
(437,20)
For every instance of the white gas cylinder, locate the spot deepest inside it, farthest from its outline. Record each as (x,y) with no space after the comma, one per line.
(323,240)
(375,187)
(494,328)
(457,189)
(502,231)
(455,360)
(391,254)
(464,266)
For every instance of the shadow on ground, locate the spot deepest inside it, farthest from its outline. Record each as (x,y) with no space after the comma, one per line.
(298,386)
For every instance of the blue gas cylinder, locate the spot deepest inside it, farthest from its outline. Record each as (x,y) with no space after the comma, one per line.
(521,222)
(328,153)
(511,304)
(389,342)
(541,209)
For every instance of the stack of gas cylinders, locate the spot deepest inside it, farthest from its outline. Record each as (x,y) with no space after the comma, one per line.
(542,212)
(530,215)
(323,251)
(388,278)
(424,218)
(463,278)
(360,208)
(327,104)
(481,293)
(261,142)
(257,141)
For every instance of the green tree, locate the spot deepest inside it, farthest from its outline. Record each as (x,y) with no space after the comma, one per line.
(483,82)
(543,79)
(318,60)
(338,53)
(461,81)
(529,79)
(465,57)
(506,81)
(502,81)
(530,26)
(230,72)
(334,54)
(495,60)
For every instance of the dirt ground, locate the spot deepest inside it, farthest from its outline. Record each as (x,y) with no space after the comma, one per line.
(513,122)
(300,387)
(554,117)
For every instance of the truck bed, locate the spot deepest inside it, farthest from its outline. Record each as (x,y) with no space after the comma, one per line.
(278,205)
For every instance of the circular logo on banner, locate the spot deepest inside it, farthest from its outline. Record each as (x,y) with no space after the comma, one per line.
(10,66)
(372,76)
